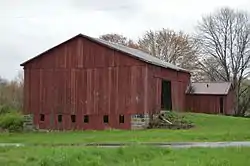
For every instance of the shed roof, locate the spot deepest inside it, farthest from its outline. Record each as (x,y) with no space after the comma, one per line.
(212,88)
(130,51)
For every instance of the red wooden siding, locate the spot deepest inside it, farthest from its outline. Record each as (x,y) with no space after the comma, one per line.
(209,103)
(179,82)
(230,103)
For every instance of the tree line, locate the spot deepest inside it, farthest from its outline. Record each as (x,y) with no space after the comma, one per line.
(11,93)
(218,50)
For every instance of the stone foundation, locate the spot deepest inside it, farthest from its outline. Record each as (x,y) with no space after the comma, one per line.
(139,121)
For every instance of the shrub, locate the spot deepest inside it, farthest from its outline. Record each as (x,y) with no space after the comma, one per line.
(12,121)
(5,109)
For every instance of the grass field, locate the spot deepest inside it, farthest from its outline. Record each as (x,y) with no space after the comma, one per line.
(208,128)
(131,156)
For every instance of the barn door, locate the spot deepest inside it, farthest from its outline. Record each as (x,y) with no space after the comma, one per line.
(221,105)
(166,99)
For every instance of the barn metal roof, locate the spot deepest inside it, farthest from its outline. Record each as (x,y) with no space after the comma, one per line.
(130,51)
(141,55)
(212,88)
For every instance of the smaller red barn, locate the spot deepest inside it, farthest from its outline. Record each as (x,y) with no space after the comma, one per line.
(212,98)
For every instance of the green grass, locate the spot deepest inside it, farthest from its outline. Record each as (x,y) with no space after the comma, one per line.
(130,156)
(208,128)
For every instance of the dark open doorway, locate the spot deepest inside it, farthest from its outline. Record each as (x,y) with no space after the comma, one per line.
(166,100)
(221,105)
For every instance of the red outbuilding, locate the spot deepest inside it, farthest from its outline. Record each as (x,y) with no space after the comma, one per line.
(211,98)
(89,83)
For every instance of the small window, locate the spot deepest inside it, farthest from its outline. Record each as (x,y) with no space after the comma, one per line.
(59,118)
(42,117)
(121,119)
(105,119)
(73,118)
(86,119)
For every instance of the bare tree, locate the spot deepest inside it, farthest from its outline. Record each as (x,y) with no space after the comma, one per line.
(11,92)
(209,69)
(115,38)
(120,39)
(244,100)
(19,78)
(170,46)
(224,38)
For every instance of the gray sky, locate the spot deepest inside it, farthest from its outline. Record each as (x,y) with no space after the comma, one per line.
(29,27)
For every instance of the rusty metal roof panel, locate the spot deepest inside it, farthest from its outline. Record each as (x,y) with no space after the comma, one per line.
(212,88)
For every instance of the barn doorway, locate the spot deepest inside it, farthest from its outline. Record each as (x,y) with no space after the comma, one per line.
(166,100)
(221,105)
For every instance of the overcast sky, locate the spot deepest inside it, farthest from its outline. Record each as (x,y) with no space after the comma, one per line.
(29,27)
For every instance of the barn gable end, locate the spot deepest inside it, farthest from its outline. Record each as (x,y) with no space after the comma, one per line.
(80,52)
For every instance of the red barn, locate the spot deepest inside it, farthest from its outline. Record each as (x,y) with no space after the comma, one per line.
(88,83)
(212,98)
